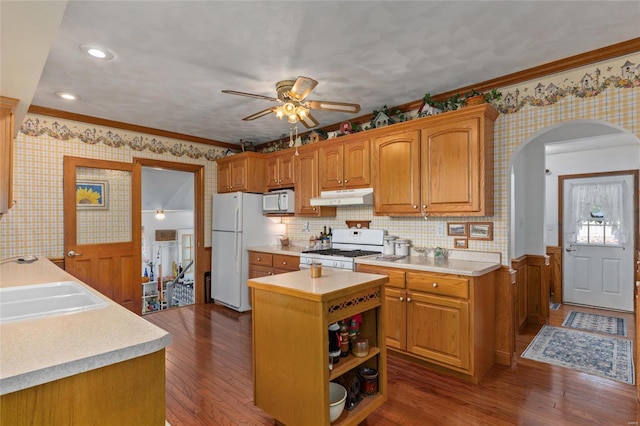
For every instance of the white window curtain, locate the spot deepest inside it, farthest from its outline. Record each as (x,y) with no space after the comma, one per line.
(608,201)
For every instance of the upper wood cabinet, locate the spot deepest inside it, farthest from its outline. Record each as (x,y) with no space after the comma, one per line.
(7,108)
(280,169)
(439,166)
(345,165)
(307,186)
(456,156)
(395,161)
(244,172)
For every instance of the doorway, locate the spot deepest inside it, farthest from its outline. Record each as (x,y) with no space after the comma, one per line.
(597,237)
(172,234)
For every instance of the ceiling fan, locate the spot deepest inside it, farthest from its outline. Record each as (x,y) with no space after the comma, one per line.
(292,96)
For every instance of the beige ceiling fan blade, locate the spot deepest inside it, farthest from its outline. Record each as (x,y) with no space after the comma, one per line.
(301,88)
(333,106)
(259,114)
(251,95)
(308,121)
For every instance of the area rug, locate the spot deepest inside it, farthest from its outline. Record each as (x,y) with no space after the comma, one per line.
(554,306)
(599,355)
(597,323)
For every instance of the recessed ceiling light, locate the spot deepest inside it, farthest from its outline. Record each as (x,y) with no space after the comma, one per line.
(68,96)
(96,52)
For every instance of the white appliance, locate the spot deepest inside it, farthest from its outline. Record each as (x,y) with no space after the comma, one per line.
(282,201)
(347,244)
(237,223)
(344,197)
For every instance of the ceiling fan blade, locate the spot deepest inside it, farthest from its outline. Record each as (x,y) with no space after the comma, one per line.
(308,121)
(259,114)
(301,88)
(251,95)
(334,106)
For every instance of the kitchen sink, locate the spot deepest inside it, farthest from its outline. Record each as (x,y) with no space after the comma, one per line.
(40,300)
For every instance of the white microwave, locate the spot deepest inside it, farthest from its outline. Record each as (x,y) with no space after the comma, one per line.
(278,201)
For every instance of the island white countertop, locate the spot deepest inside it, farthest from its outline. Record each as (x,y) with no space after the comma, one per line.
(41,350)
(332,283)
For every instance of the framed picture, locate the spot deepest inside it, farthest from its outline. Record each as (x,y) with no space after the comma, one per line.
(481,231)
(91,194)
(460,243)
(457,229)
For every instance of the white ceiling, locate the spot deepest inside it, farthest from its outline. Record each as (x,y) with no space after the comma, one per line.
(173,58)
(167,190)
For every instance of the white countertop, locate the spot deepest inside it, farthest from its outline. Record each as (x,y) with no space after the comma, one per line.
(37,351)
(452,265)
(460,262)
(278,249)
(332,282)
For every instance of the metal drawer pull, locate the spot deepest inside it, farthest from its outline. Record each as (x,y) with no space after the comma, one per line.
(401,298)
(434,285)
(408,299)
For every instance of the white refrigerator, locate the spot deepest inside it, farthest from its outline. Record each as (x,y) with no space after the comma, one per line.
(237,223)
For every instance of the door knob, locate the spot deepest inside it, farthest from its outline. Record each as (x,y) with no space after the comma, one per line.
(73,254)
(569,249)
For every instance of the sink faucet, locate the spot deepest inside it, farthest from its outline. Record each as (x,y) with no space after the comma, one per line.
(19,259)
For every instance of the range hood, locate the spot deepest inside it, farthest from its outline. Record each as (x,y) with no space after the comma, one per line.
(344,197)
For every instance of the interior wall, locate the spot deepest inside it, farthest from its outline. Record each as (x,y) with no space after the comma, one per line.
(589,161)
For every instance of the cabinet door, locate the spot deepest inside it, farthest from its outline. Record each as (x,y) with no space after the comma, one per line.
(273,174)
(280,170)
(395,164)
(239,175)
(438,329)
(224,178)
(357,164)
(452,167)
(307,186)
(256,271)
(286,170)
(395,318)
(330,167)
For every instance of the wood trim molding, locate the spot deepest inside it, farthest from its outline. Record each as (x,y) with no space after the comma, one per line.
(198,171)
(555,273)
(35,109)
(505,316)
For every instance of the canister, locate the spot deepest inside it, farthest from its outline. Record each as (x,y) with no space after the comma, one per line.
(402,247)
(389,245)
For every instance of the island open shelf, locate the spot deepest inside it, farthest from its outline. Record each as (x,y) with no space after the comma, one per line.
(291,315)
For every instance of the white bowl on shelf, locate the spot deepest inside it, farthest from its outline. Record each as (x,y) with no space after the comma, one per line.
(337,399)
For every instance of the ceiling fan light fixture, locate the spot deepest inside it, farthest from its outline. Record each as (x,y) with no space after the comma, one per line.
(289,108)
(303,112)
(279,111)
(292,118)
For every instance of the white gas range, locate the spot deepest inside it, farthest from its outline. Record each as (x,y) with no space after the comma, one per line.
(347,244)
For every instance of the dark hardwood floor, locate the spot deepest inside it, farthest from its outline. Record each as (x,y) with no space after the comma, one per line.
(209,382)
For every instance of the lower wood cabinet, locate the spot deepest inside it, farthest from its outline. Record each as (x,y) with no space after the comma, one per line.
(442,319)
(262,264)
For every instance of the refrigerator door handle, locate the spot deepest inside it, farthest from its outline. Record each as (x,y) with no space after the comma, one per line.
(237,219)
(235,249)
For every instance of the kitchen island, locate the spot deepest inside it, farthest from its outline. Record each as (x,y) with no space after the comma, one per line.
(100,366)
(291,315)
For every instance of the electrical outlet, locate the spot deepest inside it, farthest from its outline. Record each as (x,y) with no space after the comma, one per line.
(439,229)
(305,227)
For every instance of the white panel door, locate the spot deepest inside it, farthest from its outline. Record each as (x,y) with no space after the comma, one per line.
(597,268)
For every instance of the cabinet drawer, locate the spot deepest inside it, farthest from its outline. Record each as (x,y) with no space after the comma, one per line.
(258,258)
(291,263)
(442,285)
(396,276)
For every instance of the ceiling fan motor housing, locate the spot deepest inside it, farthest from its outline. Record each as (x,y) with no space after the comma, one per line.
(283,88)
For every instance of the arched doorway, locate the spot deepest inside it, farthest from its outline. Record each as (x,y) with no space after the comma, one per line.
(579,146)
